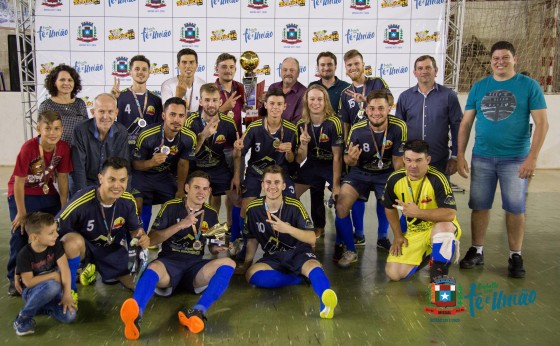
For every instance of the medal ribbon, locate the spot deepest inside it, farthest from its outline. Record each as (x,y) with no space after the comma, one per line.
(379,153)
(107,228)
(48,170)
(140,111)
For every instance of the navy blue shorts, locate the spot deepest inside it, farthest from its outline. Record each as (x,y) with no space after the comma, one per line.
(315,174)
(289,262)
(182,270)
(364,182)
(155,188)
(220,179)
(252,186)
(111,261)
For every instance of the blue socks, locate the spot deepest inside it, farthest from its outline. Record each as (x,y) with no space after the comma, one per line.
(382,222)
(146,216)
(274,279)
(344,229)
(216,287)
(235,223)
(358,212)
(319,282)
(73,264)
(145,288)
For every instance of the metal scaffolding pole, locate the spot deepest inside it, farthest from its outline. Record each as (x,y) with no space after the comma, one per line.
(25,29)
(454,22)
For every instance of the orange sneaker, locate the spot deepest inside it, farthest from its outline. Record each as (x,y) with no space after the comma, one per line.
(192,319)
(130,315)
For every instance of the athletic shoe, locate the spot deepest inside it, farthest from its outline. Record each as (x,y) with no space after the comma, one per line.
(360,241)
(384,243)
(319,232)
(515,267)
(12,291)
(329,300)
(347,259)
(192,319)
(130,315)
(88,275)
(74,295)
(24,326)
(338,252)
(471,259)
(438,269)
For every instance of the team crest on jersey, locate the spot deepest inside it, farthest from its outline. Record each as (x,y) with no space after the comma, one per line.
(120,67)
(87,32)
(258,4)
(426,200)
(324,138)
(389,144)
(220,139)
(118,223)
(204,227)
(173,150)
(155,3)
(151,110)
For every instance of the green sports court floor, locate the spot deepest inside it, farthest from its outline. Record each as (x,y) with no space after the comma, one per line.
(371,310)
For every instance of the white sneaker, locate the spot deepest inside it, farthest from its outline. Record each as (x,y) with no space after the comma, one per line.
(347,259)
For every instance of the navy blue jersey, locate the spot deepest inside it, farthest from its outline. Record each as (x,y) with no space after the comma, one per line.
(348,108)
(323,138)
(261,143)
(211,154)
(174,211)
(151,140)
(83,214)
(129,115)
(361,134)
(292,211)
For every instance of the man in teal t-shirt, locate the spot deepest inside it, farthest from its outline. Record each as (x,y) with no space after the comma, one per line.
(501,104)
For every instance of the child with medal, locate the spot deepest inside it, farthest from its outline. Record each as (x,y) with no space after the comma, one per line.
(373,152)
(31,188)
(320,145)
(179,228)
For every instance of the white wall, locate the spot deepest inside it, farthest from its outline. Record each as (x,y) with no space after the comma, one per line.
(11,131)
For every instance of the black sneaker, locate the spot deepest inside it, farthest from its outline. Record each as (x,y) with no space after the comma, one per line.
(360,241)
(471,259)
(192,319)
(384,243)
(338,252)
(438,269)
(12,291)
(515,267)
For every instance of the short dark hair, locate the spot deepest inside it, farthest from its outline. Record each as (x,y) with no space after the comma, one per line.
(48,116)
(502,45)
(197,174)
(326,55)
(115,163)
(274,169)
(377,94)
(425,57)
(418,146)
(50,80)
(209,88)
(187,51)
(224,57)
(274,92)
(34,222)
(141,58)
(174,101)
(352,53)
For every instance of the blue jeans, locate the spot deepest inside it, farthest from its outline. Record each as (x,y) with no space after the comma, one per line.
(485,174)
(44,298)
(45,203)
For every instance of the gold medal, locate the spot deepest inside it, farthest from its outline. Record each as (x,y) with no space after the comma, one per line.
(46,189)
(197,245)
(276,143)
